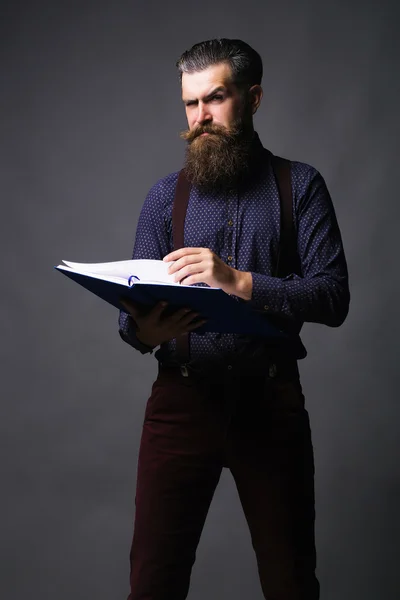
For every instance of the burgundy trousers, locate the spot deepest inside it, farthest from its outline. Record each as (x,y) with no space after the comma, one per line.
(257,427)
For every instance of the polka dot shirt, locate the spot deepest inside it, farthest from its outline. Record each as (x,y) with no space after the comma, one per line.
(242,228)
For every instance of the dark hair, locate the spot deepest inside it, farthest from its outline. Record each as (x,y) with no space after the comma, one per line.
(245,63)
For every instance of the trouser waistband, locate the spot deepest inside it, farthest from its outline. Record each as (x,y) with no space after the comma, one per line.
(271,368)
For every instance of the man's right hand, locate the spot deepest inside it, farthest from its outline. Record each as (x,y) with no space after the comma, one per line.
(154,328)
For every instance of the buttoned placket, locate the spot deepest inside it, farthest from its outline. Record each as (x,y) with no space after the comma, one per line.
(231,229)
(230,246)
(228,255)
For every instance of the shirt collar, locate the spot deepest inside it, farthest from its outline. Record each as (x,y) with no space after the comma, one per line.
(259,157)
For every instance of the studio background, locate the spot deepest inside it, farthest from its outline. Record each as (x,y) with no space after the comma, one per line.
(90,113)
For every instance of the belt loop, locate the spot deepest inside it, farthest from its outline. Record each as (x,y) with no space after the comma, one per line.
(272,371)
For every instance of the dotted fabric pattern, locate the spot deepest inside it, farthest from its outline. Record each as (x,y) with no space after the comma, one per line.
(242,228)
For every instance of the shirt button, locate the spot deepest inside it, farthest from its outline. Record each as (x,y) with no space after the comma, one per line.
(230,367)
(230,258)
(266,307)
(230,222)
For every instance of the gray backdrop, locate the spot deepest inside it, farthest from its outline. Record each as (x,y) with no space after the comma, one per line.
(90,115)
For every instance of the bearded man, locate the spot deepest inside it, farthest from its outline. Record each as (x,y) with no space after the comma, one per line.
(233,401)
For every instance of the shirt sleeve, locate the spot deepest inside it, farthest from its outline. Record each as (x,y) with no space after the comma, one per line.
(127,331)
(152,241)
(321,294)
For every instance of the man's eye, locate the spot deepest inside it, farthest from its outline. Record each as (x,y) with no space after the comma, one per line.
(218,97)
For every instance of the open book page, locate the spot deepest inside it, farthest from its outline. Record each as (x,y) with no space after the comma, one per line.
(129,271)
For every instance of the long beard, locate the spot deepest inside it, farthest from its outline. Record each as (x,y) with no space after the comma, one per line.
(218,161)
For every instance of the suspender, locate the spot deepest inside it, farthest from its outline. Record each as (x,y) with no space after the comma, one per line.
(288,260)
(179,209)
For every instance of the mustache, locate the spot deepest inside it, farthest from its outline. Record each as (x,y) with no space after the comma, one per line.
(191,134)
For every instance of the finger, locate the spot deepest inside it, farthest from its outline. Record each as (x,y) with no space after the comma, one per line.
(189,319)
(195,325)
(181,252)
(158,308)
(191,274)
(185,261)
(180,314)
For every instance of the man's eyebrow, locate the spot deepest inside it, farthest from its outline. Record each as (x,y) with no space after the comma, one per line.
(220,88)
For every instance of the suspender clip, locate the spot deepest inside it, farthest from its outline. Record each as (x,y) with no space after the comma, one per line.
(184,371)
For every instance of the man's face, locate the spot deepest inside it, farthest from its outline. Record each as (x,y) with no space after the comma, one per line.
(211,98)
(220,119)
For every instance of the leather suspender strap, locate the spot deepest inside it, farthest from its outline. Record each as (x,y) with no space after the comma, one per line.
(181,200)
(179,209)
(288,260)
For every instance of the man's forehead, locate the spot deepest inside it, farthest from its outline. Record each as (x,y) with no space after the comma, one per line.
(201,83)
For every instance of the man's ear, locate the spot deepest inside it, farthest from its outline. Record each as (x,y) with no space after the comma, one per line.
(255,97)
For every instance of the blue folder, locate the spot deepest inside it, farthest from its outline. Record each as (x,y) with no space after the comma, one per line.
(224,313)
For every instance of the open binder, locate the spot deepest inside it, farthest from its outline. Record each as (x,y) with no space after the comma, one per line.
(146,282)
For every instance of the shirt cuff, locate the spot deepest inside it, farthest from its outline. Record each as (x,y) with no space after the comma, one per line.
(267,293)
(128,334)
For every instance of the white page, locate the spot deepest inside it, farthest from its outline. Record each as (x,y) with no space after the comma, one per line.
(123,271)
(144,269)
(112,278)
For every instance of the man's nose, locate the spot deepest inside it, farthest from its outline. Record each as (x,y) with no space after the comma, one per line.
(203,115)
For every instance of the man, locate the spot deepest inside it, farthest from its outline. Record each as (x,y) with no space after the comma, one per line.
(236,402)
